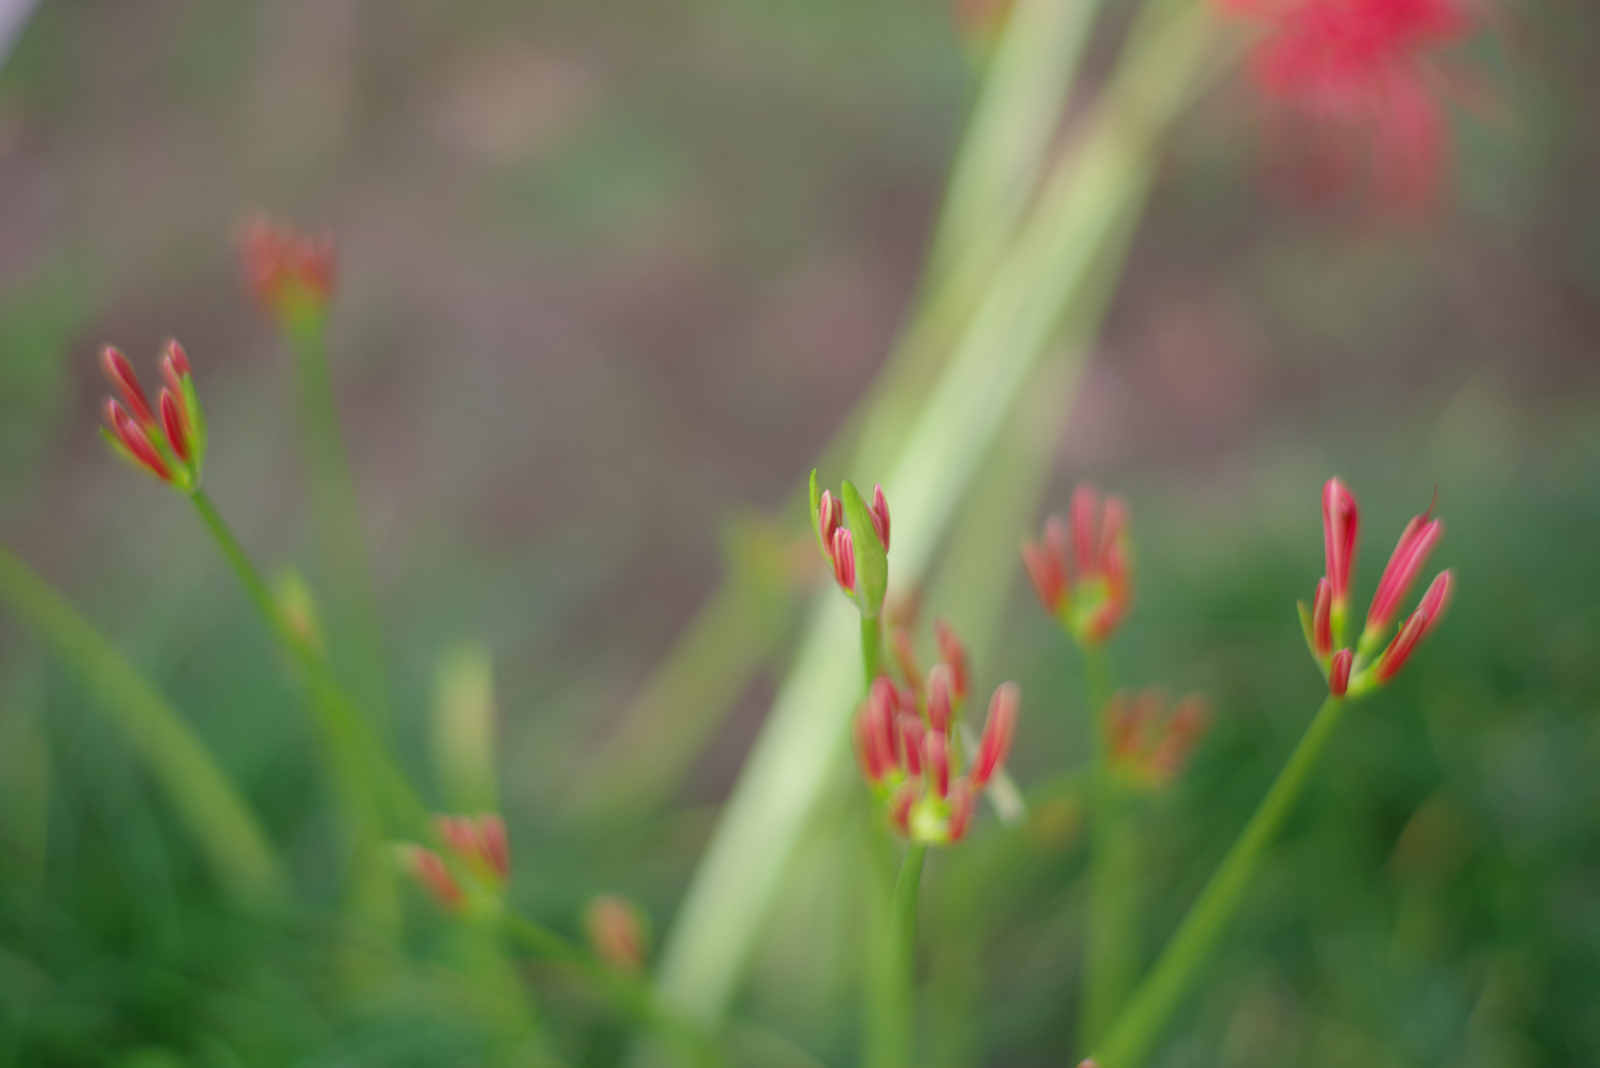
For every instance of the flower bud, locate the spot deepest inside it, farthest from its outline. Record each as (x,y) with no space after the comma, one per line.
(1339,672)
(939,702)
(1322,619)
(134,443)
(844,561)
(290,273)
(133,394)
(954,655)
(998,728)
(912,742)
(1416,542)
(961,797)
(937,751)
(1416,628)
(879,514)
(1340,520)
(428,869)
(617,933)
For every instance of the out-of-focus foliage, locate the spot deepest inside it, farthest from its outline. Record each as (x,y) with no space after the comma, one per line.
(612,270)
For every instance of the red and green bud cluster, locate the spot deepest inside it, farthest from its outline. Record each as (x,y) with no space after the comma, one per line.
(854,538)
(167,438)
(617,933)
(290,273)
(1148,744)
(1370,663)
(479,863)
(1082,567)
(910,746)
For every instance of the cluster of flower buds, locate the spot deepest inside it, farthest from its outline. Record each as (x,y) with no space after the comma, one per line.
(1148,745)
(1082,567)
(1353,671)
(480,860)
(617,933)
(290,273)
(168,438)
(854,538)
(909,745)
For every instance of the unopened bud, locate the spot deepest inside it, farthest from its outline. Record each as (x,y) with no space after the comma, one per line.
(954,655)
(879,513)
(428,869)
(939,699)
(1339,672)
(617,933)
(844,560)
(998,729)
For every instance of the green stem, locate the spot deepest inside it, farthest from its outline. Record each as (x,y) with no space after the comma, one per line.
(225,829)
(367,780)
(1111,959)
(1141,1023)
(338,518)
(629,994)
(894,1030)
(871,647)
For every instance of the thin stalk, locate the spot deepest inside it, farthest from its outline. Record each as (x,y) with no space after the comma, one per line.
(871,646)
(1141,1023)
(338,519)
(200,791)
(1111,959)
(366,779)
(629,994)
(894,1031)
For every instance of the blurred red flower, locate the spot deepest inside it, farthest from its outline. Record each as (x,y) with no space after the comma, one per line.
(1351,95)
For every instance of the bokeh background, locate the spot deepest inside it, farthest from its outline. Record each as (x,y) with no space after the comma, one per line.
(611,275)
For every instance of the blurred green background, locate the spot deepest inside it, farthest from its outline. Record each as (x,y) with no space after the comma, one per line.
(612,273)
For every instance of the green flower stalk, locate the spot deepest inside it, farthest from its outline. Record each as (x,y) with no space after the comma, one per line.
(1350,674)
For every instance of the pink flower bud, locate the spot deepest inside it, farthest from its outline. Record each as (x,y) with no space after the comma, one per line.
(911,741)
(175,360)
(998,728)
(961,796)
(1114,529)
(616,932)
(1322,619)
(172,423)
(1340,520)
(829,516)
(496,845)
(883,705)
(879,512)
(939,704)
(954,655)
(900,808)
(1416,542)
(1416,628)
(1339,672)
(1084,511)
(844,560)
(133,394)
(1047,575)
(429,870)
(290,273)
(133,438)
(937,752)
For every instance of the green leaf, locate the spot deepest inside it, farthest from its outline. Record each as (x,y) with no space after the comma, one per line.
(872,560)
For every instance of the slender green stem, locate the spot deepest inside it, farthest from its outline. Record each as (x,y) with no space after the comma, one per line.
(365,776)
(1140,1024)
(893,1032)
(871,646)
(338,519)
(1112,956)
(629,994)
(227,832)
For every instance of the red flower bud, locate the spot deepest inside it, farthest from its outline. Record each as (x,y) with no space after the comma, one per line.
(616,932)
(1416,628)
(429,870)
(900,808)
(1085,545)
(496,844)
(1046,573)
(1339,672)
(937,752)
(939,704)
(133,438)
(998,728)
(961,797)
(290,273)
(829,515)
(172,423)
(1416,542)
(133,394)
(954,655)
(1322,619)
(879,513)
(911,742)
(844,560)
(1340,520)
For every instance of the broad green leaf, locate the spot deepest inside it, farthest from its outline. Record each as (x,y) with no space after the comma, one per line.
(872,560)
